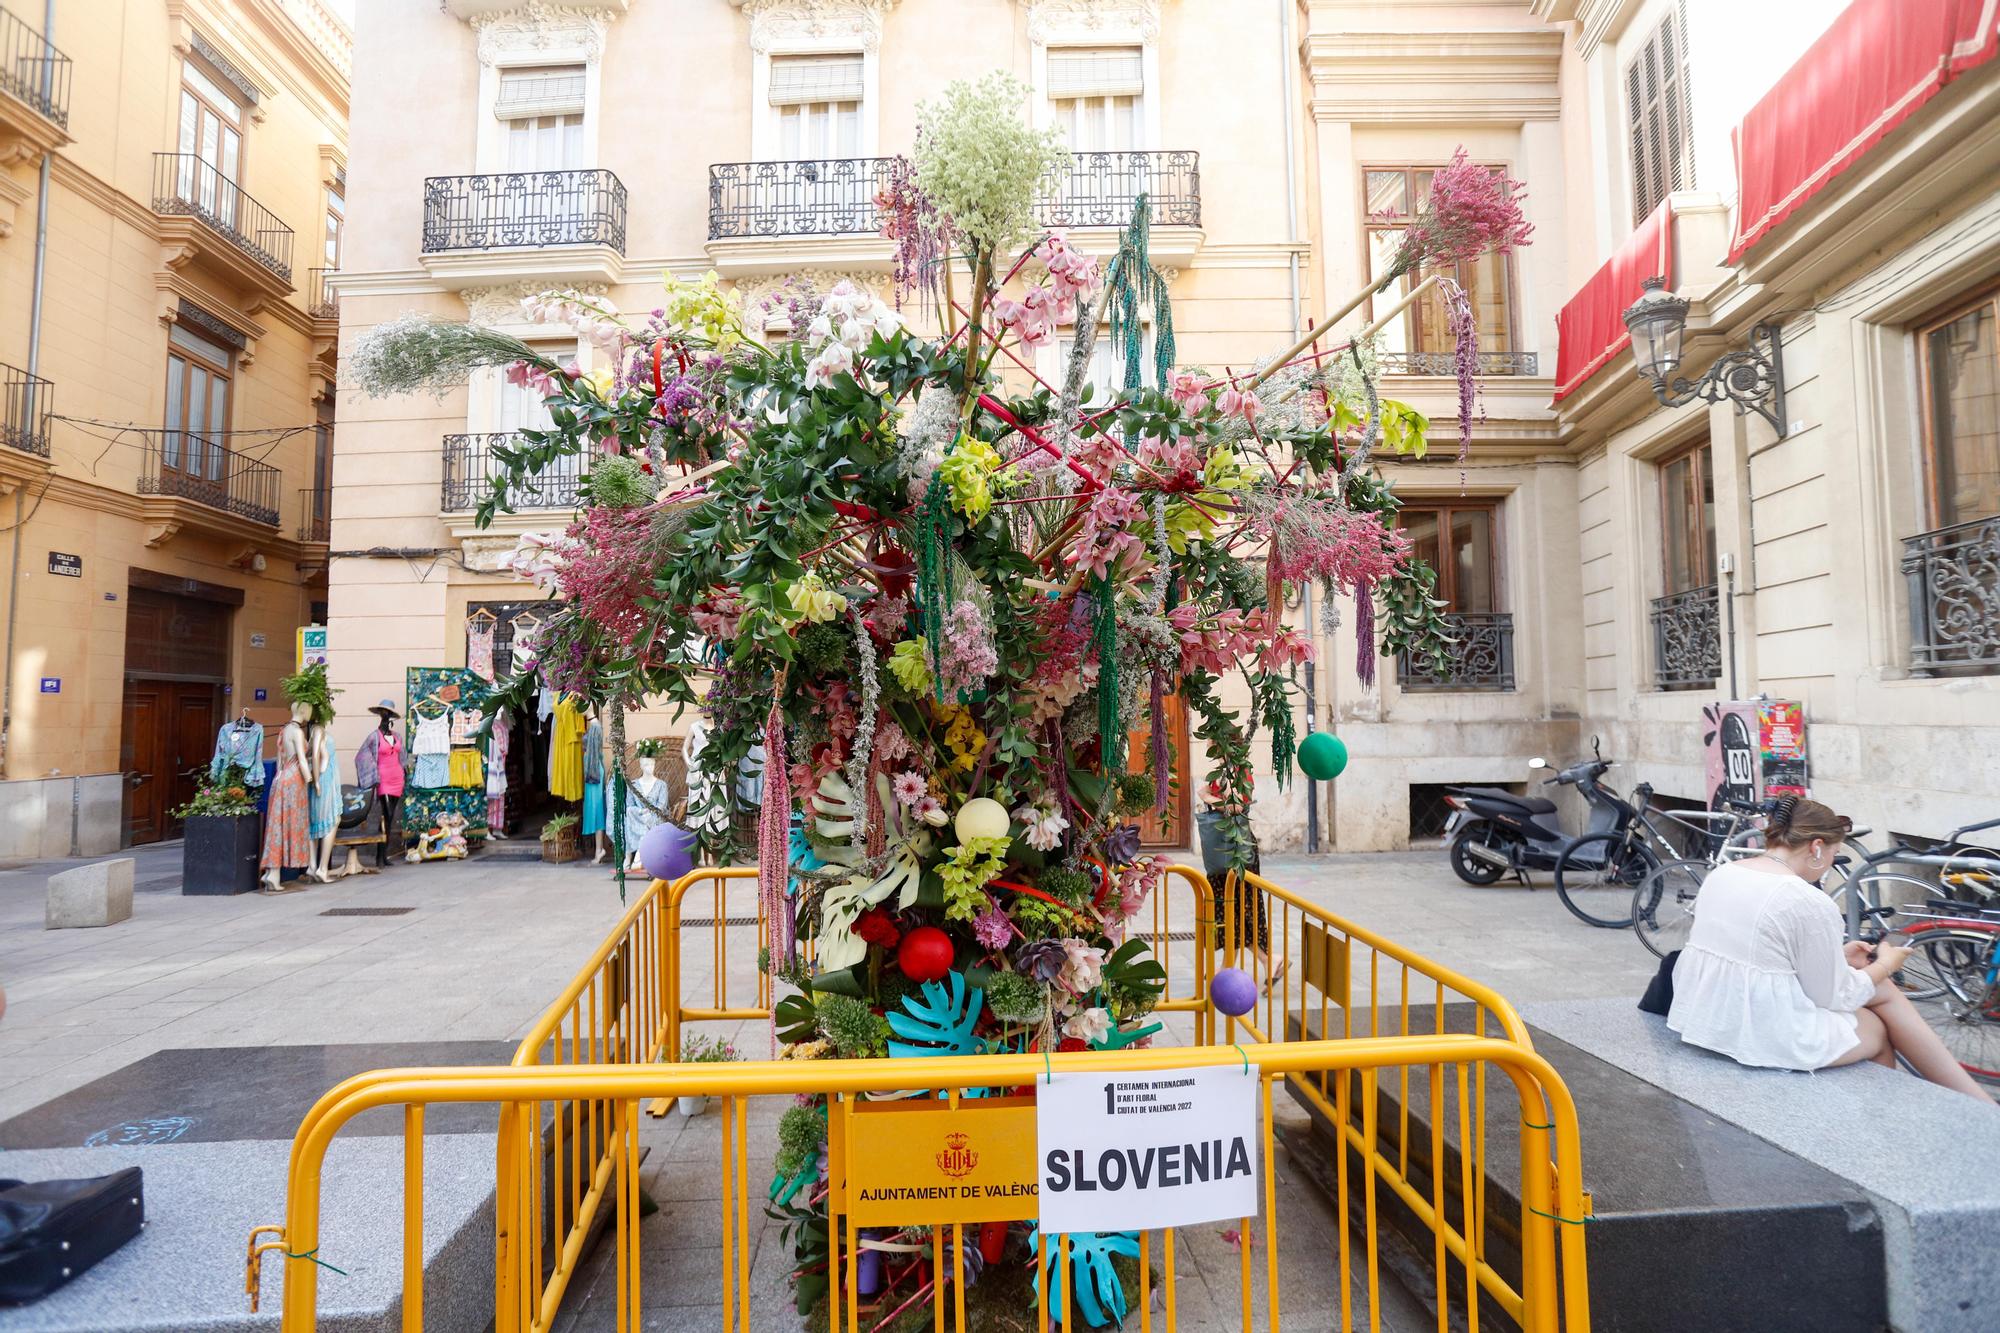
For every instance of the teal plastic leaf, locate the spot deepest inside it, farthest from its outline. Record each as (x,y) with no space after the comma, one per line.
(1118,1039)
(939,1020)
(1098,1295)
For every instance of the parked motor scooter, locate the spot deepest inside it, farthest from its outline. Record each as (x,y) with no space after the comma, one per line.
(1493,831)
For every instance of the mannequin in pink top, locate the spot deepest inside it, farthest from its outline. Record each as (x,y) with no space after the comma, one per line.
(379,764)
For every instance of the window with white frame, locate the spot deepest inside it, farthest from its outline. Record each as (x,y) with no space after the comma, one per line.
(1098,96)
(210,142)
(1657,115)
(542,108)
(816,100)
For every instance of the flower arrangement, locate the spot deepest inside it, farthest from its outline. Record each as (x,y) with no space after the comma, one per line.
(309,687)
(225,796)
(939,608)
(699,1050)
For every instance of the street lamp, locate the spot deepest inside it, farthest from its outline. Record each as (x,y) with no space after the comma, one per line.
(1752,378)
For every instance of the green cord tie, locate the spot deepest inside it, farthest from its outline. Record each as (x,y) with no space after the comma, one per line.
(1529,1124)
(1046,1065)
(1246,1058)
(313,1254)
(1566,1221)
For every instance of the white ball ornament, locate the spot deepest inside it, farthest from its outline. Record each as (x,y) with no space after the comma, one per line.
(981,817)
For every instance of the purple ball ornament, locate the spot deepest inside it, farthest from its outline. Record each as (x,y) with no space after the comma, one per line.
(667,852)
(1233,991)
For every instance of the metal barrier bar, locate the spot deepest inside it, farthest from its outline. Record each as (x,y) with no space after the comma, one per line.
(1553,1205)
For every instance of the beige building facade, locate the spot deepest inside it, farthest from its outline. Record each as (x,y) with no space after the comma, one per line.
(171,190)
(599,143)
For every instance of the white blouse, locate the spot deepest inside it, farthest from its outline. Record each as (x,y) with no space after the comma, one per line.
(1763,979)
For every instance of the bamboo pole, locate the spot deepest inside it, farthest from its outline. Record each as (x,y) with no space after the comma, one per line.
(1318,331)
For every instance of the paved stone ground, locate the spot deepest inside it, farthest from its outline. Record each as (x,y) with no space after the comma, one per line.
(489,944)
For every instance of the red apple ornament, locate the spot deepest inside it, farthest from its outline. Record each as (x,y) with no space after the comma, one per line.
(925,955)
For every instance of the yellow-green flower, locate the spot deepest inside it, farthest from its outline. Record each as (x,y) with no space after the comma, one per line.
(968,472)
(813,600)
(909,663)
(602,380)
(700,307)
(1195,520)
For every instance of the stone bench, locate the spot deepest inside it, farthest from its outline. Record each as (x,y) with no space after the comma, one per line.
(1696,1222)
(98,894)
(1922,1156)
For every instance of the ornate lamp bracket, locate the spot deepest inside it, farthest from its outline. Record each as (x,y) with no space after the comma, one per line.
(1752,378)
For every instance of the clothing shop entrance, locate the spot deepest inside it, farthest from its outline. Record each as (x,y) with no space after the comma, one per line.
(493,631)
(176,664)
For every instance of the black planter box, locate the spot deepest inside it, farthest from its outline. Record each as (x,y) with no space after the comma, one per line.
(219,854)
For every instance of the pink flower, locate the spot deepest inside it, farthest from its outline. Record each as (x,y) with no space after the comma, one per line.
(1186,388)
(1472,209)
(992,928)
(1091,1025)
(1232,402)
(969,658)
(1083,967)
(909,786)
(1032,319)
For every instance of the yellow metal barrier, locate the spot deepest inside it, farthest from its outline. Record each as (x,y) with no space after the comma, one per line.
(1553,1292)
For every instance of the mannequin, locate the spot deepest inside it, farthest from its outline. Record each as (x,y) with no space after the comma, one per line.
(287,820)
(639,821)
(325,813)
(379,764)
(596,825)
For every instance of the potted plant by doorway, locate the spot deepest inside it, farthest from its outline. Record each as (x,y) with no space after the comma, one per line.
(703,1051)
(220,839)
(559,842)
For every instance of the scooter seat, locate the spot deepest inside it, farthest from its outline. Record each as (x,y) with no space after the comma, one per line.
(1534,805)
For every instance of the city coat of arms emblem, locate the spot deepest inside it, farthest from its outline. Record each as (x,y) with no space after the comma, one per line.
(957,1159)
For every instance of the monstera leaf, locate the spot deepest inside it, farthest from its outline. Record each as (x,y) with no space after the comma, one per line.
(1117,1039)
(939,1020)
(1098,1295)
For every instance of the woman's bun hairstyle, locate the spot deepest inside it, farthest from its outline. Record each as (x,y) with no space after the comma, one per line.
(1796,822)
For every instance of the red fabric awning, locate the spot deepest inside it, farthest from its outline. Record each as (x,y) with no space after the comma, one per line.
(1591,330)
(1879,62)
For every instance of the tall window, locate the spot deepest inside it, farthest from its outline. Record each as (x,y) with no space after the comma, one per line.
(1687,519)
(542,107)
(1457,541)
(1961,356)
(1394,195)
(210,144)
(1656,115)
(197,418)
(1095,92)
(336,222)
(817,100)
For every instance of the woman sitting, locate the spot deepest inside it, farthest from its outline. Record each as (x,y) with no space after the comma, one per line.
(1766,980)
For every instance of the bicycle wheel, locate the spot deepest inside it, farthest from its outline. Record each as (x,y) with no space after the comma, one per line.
(1663,905)
(1965,1013)
(1898,893)
(1596,874)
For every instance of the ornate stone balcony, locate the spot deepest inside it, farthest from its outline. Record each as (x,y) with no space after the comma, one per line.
(208,219)
(1953,579)
(560,227)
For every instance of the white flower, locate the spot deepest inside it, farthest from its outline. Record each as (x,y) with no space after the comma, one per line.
(833,359)
(1092,1025)
(931,811)
(1044,827)
(1084,970)
(819,330)
(539,558)
(854,334)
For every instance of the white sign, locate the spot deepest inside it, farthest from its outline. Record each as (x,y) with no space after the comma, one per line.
(1136,1152)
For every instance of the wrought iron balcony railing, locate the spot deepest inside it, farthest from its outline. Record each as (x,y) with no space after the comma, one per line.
(186,185)
(315,514)
(190,466)
(1687,640)
(322,302)
(1954,589)
(524,209)
(469,467)
(1482,658)
(836,196)
(32,69)
(25,404)
(1443,363)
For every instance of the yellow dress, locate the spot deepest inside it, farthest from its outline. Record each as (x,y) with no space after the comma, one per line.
(566,751)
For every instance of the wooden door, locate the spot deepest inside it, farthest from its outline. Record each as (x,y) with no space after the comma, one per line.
(1170,827)
(168,738)
(140,757)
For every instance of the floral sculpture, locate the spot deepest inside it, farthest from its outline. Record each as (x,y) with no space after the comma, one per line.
(940,596)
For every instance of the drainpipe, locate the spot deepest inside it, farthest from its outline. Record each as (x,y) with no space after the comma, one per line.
(34,368)
(1286,55)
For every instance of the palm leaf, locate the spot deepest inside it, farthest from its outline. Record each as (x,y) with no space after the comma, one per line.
(939,1020)
(1099,1294)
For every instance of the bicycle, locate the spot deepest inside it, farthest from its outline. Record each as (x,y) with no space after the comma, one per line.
(1620,861)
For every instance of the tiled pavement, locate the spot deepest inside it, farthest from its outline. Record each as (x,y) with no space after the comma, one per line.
(489,944)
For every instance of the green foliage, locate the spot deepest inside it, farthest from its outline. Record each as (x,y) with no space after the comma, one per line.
(1136,792)
(981,161)
(966,871)
(557,825)
(1016,999)
(856,1031)
(699,1050)
(1133,979)
(617,483)
(801,1134)
(796,1018)
(1037,920)
(309,687)
(825,648)
(1410,618)
(1069,882)
(225,796)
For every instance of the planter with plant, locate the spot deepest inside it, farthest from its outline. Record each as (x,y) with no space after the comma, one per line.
(699,1050)
(559,840)
(220,835)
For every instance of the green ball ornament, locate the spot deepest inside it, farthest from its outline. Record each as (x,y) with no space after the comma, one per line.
(1322,756)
